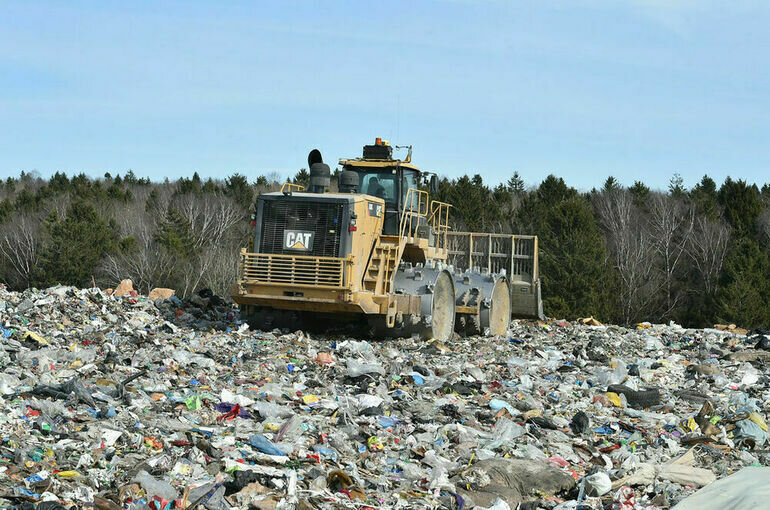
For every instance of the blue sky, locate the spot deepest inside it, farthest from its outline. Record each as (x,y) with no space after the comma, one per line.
(581,88)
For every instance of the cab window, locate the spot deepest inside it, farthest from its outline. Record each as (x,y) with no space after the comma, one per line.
(380,184)
(410,181)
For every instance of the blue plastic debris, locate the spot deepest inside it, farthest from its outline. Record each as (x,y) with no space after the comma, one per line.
(264,445)
(326,452)
(387,421)
(497,404)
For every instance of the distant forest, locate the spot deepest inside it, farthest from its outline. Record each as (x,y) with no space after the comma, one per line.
(695,256)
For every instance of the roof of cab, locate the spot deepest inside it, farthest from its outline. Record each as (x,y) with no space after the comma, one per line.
(304,194)
(377,163)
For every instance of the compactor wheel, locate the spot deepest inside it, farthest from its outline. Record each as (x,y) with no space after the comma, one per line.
(498,316)
(443,309)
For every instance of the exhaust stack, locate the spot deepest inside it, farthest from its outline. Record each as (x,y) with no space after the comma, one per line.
(320,174)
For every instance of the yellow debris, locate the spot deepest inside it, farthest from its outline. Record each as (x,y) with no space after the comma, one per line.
(310,400)
(689,425)
(756,418)
(36,337)
(614,398)
(68,474)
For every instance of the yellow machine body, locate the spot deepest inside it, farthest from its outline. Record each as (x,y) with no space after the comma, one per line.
(390,258)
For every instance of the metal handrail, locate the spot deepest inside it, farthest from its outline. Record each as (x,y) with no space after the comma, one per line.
(290,186)
(439,221)
(407,218)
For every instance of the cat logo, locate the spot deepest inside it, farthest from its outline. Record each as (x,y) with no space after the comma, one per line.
(297,240)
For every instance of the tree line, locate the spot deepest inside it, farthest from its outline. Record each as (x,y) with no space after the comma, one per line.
(695,256)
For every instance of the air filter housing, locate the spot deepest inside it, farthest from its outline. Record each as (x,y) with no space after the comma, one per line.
(378,152)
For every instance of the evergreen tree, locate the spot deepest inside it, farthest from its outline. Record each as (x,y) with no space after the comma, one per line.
(238,187)
(515,184)
(745,292)
(73,246)
(704,194)
(640,192)
(59,182)
(553,190)
(676,186)
(26,201)
(6,209)
(611,185)
(742,205)
(210,186)
(473,205)
(576,277)
(302,177)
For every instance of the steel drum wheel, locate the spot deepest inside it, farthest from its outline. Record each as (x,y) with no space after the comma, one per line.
(443,312)
(500,308)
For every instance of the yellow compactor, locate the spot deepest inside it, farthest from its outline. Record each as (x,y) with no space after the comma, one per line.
(380,252)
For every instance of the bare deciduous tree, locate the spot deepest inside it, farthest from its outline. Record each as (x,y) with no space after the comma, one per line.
(671,224)
(707,248)
(144,264)
(221,262)
(632,252)
(210,217)
(60,205)
(20,245)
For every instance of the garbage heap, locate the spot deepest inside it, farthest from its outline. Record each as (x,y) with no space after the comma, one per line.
(115,400)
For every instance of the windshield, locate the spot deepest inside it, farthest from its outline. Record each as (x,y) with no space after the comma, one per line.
(379,184)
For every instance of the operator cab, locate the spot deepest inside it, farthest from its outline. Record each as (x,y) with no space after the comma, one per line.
(379,175)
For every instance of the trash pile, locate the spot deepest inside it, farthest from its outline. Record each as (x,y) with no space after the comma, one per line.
(114,400)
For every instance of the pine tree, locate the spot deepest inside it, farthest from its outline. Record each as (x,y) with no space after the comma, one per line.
(676,186)
(302,177)
(575,274)
(515,184)
(611,185)
(577,279)
(74,246)
(704,194)
(741,203)
(640,192)
(238,187)
(744,292)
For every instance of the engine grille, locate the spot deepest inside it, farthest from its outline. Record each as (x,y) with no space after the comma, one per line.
(323,218)
(292,270)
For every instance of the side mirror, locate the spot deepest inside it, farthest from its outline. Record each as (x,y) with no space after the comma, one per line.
(434,184)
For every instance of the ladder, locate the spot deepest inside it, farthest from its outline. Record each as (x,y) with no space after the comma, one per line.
(379,274)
